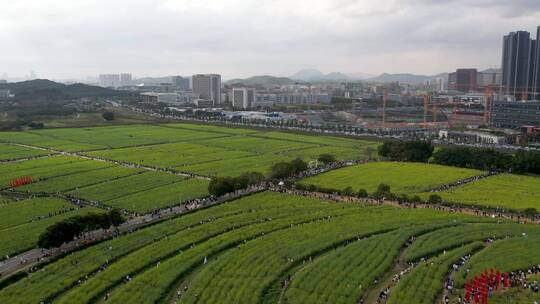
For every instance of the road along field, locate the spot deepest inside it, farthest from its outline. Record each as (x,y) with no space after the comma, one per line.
(9,152)
(23,221)
(403,178)
(272,247)
(505,191)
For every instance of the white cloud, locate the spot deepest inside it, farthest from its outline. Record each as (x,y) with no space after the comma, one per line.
(76,38)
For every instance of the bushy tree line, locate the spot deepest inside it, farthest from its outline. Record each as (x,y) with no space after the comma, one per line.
(64,231)
(465,157)
(489,159)
(476,158)
(222,185)
(284,170)
(408,151)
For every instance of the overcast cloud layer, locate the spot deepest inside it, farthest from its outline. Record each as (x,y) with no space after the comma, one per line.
(238,38)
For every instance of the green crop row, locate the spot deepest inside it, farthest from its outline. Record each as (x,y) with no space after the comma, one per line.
(63,274)
(122,187)
(505,191)
(16,152)
(162,196)
(272,256)
(103,173)
(448,238)
(403,178)
(169,155)
(425,282)
(347,274)
(26,211)
(507,255)
(16,239)
(167,251)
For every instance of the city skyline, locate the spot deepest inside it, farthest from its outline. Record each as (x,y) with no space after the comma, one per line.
(159,37)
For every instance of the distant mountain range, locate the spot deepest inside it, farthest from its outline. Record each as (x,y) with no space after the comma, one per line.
(316,75)
(411,79)
(264,80)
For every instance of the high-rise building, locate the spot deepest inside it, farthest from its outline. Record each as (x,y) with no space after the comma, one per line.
(207,86)
(109,80)
(4,94)
(440,84)
(180,83)
(243,98)
(489,78)
(521,65)
(463,80)
(125,79)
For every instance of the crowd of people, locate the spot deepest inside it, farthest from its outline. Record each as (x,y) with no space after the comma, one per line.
(462,182)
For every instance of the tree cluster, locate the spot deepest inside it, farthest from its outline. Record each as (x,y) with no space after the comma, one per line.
(66,230)
(409,151)
(477,158)
(222,185)
(489,159)
(284,170)
(526,162)
(108,116)
(326,158)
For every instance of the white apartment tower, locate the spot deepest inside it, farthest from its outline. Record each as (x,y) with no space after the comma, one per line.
(125,79)
(243,98)
(207,86)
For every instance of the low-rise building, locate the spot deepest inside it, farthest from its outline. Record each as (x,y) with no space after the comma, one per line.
(203,103)
(469,137)
(515,114)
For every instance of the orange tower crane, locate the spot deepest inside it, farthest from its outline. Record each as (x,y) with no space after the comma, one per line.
(489,104)
(385,100)
(426,108)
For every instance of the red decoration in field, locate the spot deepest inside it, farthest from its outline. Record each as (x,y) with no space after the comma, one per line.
(479,289)
(21,181)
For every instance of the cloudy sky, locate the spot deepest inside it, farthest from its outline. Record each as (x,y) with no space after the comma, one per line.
(238,38)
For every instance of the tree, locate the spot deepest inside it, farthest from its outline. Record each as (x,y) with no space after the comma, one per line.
(383,190)
(362,193)
(221,185)
(435,199)
(36,125)
(280,170)
(108,116)
(526,162)
(298,165)
(326,158)
(65,231)
(284,170)
(347,191)
(530,212)
(416,199)
(251,178)
(116,217)
(410,151)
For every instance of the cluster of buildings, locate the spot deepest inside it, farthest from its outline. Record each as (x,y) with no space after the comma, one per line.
(467,80)
(115,80)
(5,94)
(206,90)
(509,97)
